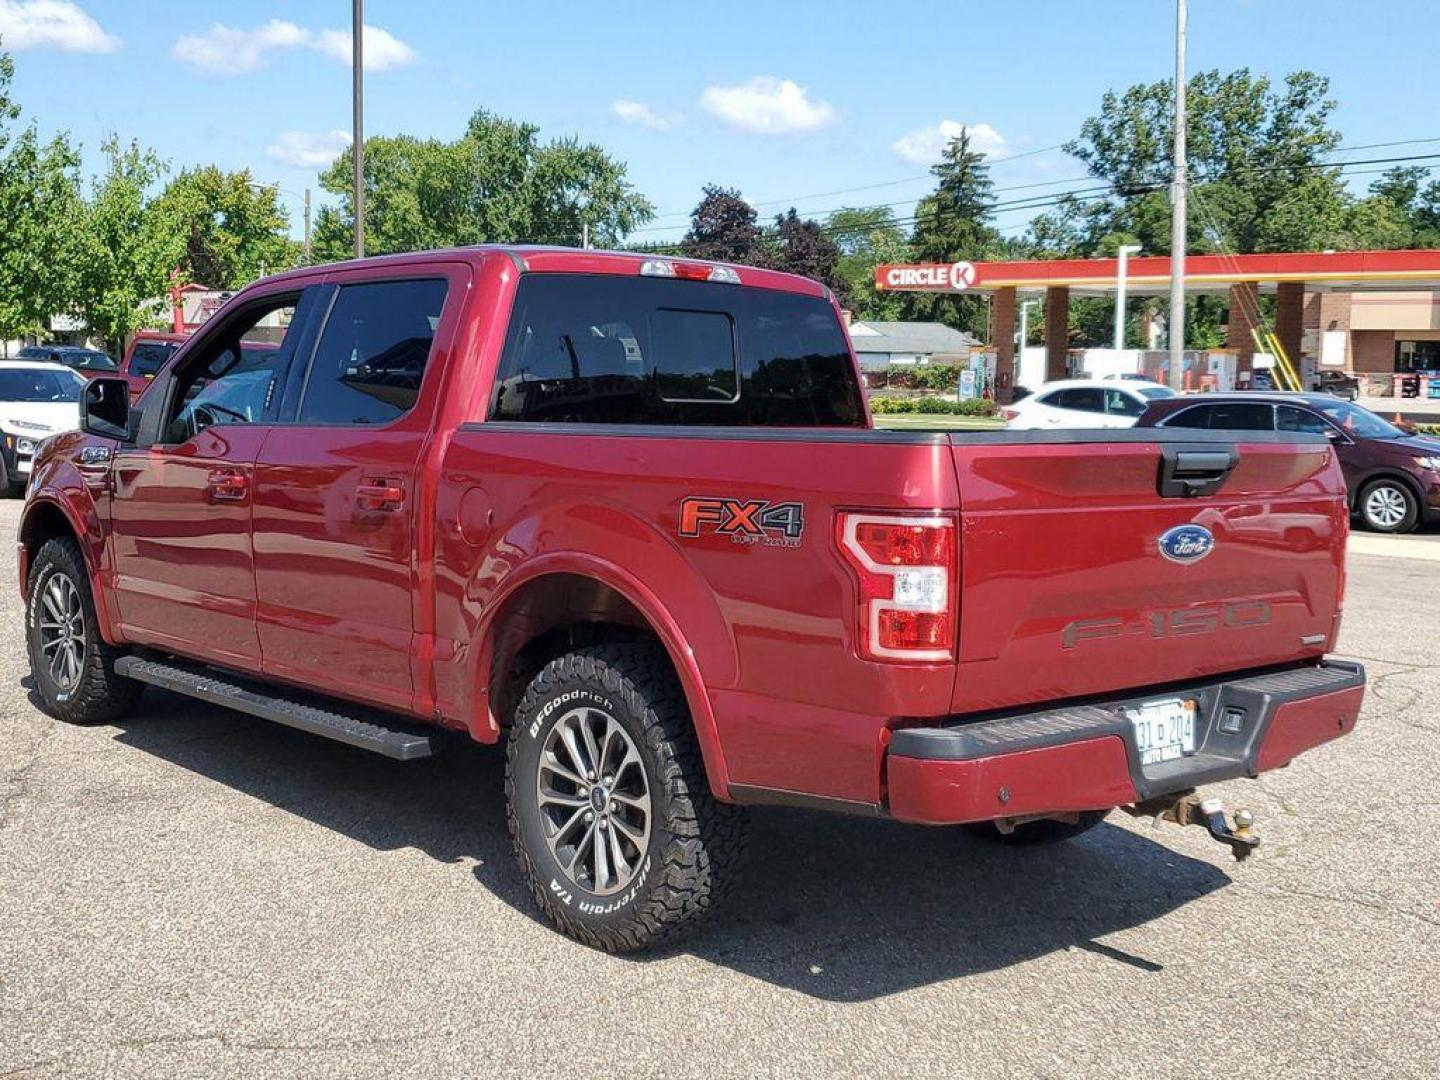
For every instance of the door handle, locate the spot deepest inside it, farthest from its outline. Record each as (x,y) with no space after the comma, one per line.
(228,485)
(379,494)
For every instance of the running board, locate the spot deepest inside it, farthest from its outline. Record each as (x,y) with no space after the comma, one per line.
(235,692)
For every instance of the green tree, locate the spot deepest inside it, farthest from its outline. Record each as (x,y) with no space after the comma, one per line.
(954,222)
(126,248)
(39,204)
(1256,155)
(723,228)
(868,237)
(234,230)
(496,183)
(800,246)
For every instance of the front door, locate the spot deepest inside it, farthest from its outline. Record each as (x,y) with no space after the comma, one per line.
(180,507)
(335,495)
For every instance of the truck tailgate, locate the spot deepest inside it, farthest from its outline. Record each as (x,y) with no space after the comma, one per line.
(1065,590)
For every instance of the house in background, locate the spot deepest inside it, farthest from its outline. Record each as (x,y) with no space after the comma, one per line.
(880,344)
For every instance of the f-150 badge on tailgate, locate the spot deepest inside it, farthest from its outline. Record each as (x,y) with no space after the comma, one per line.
(1187,543)
(745,521)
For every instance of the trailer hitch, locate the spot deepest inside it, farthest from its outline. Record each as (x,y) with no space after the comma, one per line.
(1188,808)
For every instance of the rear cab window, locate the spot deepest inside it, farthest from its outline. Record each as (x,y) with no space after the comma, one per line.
(636,350)
(148,357)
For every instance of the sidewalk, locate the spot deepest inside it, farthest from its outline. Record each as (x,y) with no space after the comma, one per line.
(1415,410)
(1421,545)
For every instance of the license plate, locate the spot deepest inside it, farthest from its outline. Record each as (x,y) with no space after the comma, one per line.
(1164,730)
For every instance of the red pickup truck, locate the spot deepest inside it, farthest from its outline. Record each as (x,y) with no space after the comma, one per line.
(628,514)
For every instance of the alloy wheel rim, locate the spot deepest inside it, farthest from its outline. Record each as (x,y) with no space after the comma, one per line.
(62,631)
(594,800)
(1385,506)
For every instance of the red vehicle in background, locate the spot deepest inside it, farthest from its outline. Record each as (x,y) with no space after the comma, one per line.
(149,351)
(627,515)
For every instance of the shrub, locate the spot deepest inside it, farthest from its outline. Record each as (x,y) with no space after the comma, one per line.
(933,406)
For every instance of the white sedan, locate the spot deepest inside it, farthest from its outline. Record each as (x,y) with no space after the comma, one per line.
(1084,403)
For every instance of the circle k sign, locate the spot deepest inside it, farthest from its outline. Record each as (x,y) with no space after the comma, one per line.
(927,277)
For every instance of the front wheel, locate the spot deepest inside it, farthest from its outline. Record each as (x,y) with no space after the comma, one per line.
(72,666)
(1389,506)
(611,815)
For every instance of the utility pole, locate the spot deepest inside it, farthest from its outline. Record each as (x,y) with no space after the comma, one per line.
(1178,188)
(1126,250)
(307,227)
(358,71)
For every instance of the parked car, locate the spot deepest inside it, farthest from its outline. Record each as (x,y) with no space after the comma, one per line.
(1133,376)
(91,363)
(627,514)
(1392,475)
(1084,403)
(1339,384)
(37,400)
(149,351)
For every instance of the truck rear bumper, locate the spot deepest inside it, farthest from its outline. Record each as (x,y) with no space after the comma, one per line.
(1084,757)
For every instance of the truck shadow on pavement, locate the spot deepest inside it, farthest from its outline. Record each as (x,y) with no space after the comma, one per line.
(840,908)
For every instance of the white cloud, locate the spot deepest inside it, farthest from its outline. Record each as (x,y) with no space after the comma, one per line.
(924,147)
(52,24)
(308,149)
(225,50)
(768,106)
(637,112)
(383,50)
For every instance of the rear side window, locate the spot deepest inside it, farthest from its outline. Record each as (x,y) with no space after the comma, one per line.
(632,350)
(1119,403)
(372,353)
(1079,398)
(1225,417)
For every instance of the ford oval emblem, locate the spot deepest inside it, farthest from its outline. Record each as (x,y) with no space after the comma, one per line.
(1187,543)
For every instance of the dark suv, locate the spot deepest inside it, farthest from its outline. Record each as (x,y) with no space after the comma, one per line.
(1393,476)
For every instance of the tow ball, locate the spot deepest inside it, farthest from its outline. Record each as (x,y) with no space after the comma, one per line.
(1188,808)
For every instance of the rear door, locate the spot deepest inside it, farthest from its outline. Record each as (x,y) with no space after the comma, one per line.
(336,486)
(1067,588)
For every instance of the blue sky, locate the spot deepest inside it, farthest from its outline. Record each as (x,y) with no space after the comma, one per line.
(785,100)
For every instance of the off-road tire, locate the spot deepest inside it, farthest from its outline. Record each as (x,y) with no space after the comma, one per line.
(1032,833)
(100,695)
(695,842)
(1399,494)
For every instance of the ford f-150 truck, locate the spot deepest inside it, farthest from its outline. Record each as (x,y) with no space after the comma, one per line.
(628,515)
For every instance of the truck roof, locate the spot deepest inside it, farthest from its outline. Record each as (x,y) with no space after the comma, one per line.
(540,259)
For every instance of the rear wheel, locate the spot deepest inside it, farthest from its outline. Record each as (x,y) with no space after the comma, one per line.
(1045,831)
(610,811)
(1388,505)
(72,666)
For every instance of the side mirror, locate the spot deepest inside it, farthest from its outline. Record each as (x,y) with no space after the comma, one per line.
(105,408)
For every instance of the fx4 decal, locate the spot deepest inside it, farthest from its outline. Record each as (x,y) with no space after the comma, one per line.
(745,521)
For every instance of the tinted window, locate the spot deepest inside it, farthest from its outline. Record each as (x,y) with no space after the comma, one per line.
(148,357)
(86,359)
(372,352)
(1079,398)
(633,350)
(1118,403)
(25,384)
(1233,416)
(1289,418)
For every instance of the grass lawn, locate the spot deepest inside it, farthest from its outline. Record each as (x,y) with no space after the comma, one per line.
(937,422)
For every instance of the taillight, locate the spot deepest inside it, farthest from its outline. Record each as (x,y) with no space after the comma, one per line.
(689,271)
(906,570)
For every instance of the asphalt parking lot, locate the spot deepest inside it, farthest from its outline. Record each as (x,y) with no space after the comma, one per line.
(193,892)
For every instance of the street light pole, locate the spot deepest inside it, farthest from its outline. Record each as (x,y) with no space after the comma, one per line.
(358,71)
(307,227)
(1177,213)
(1126,250)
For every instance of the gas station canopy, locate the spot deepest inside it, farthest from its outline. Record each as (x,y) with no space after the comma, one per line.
(1350,271)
